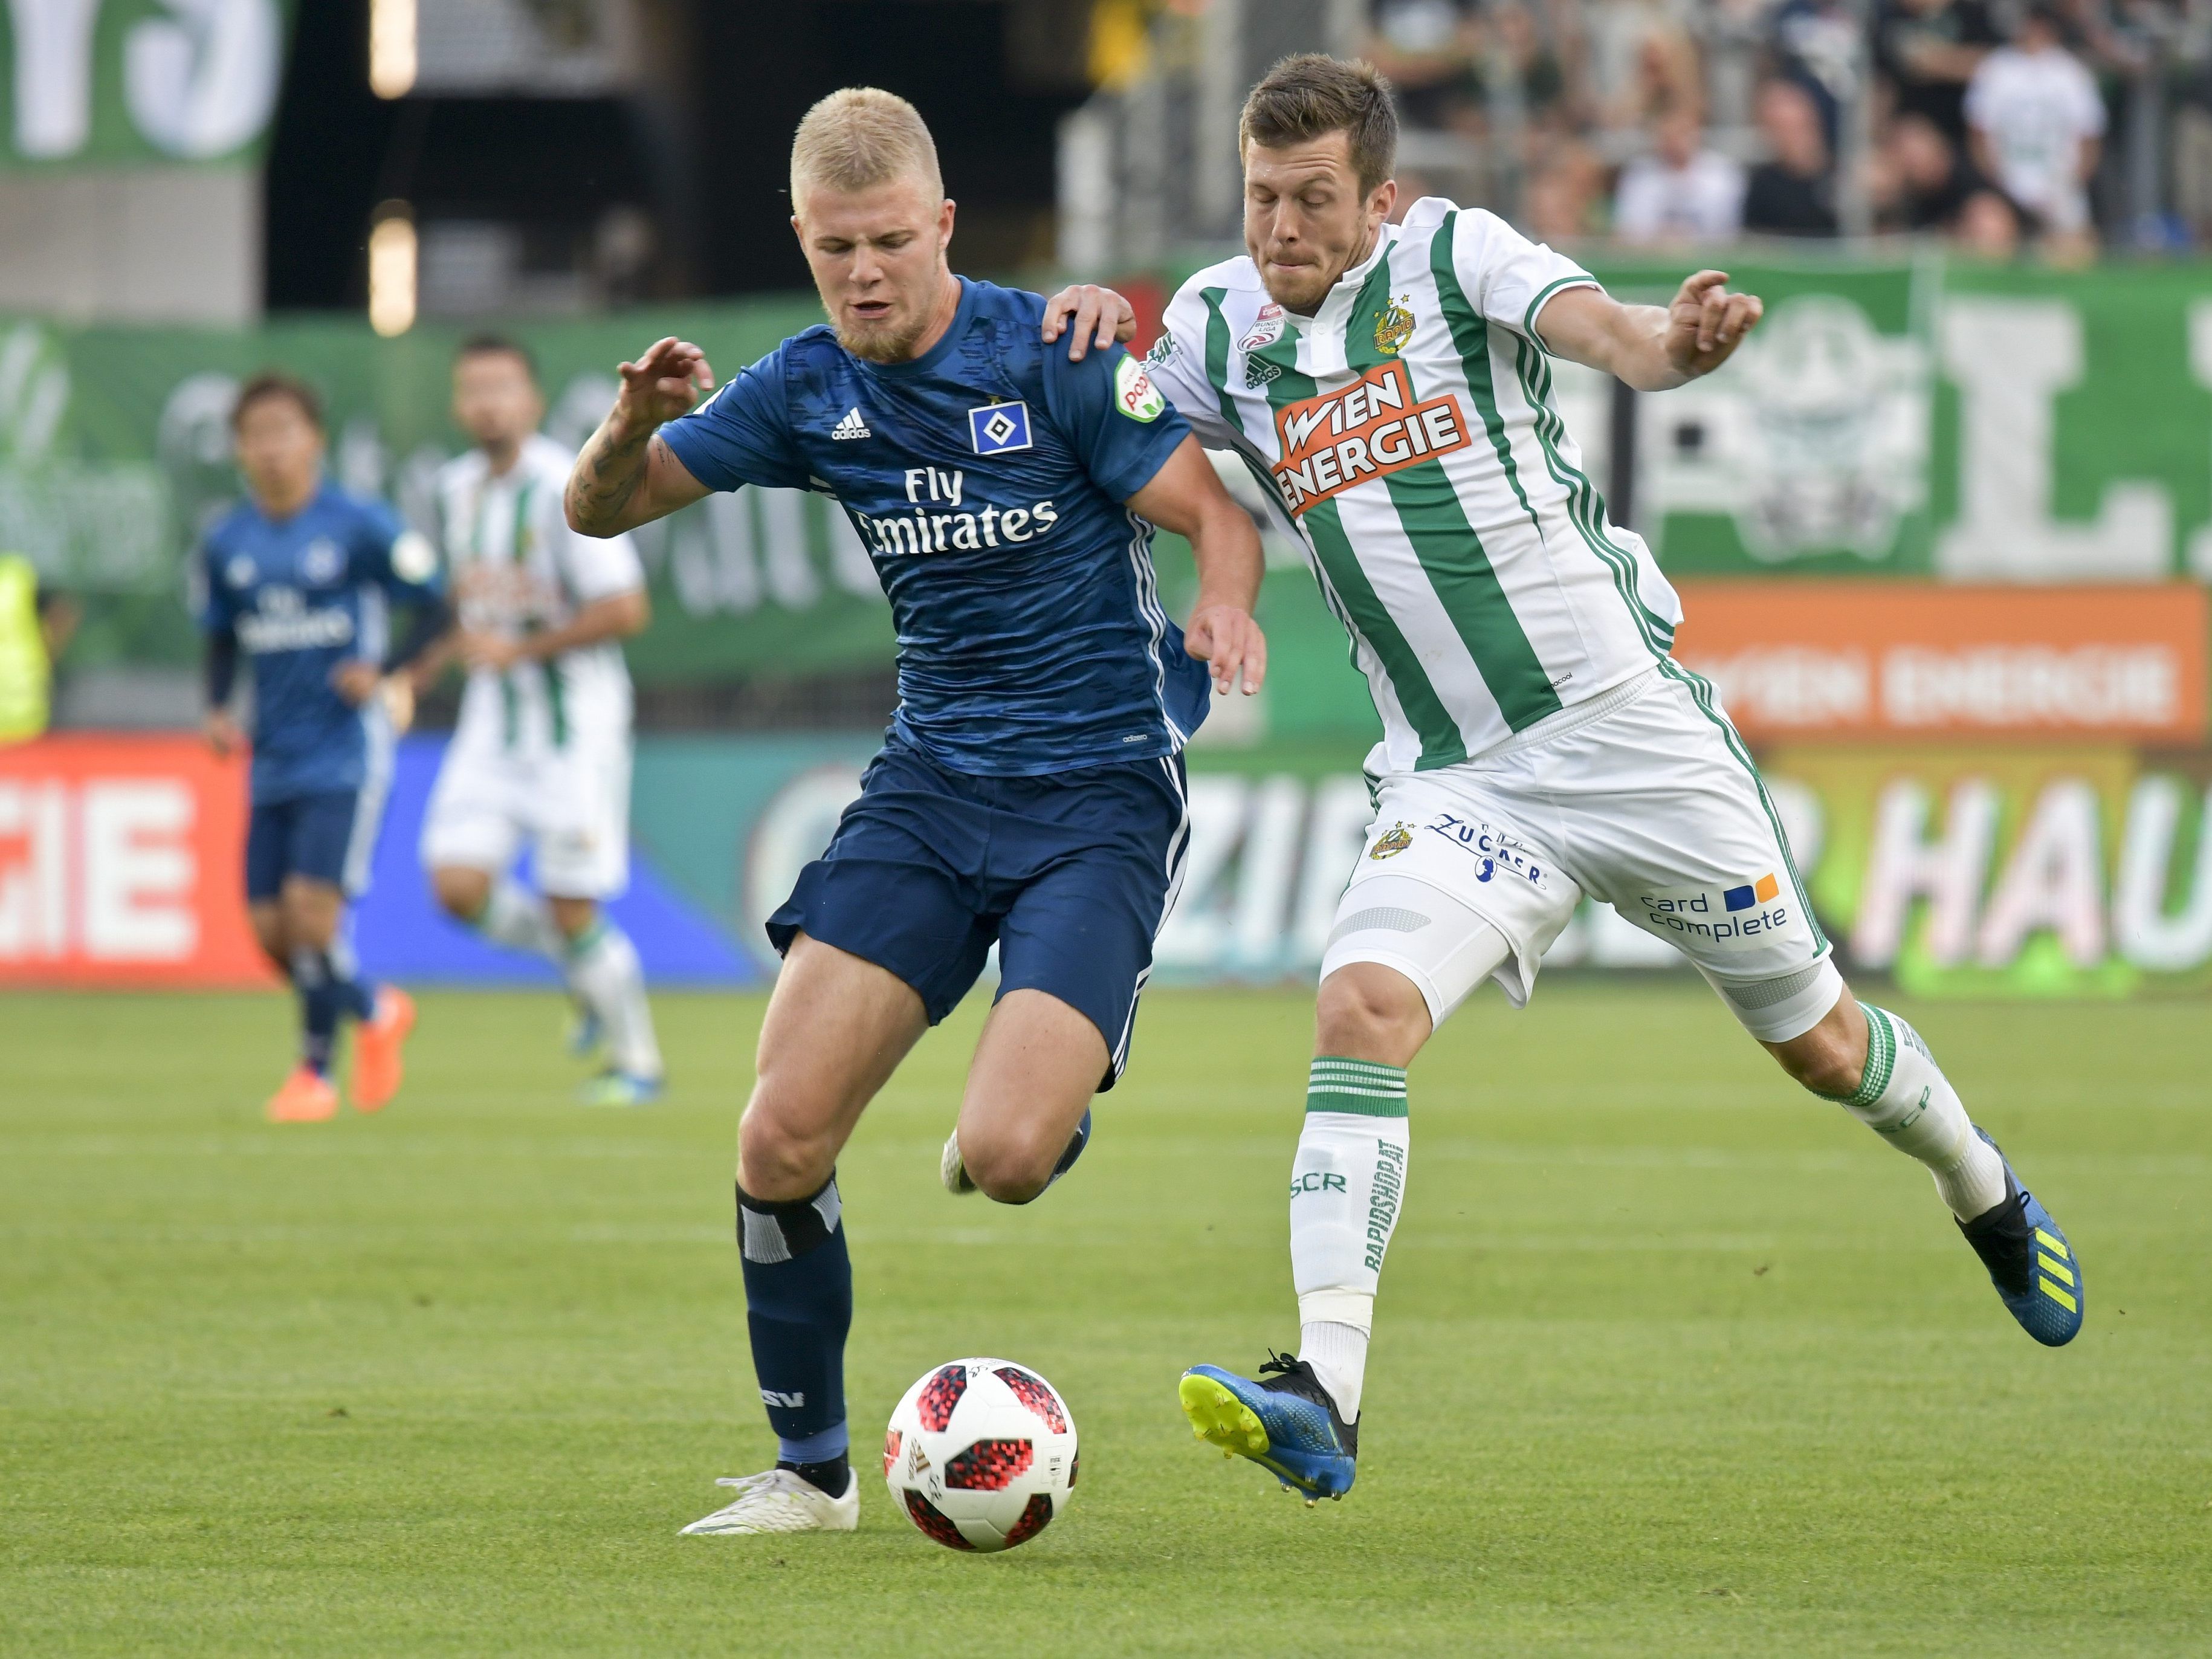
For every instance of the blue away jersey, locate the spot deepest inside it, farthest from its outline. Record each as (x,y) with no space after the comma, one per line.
(303,596)
(986,479)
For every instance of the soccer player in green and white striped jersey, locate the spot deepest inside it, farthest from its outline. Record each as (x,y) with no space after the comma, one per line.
(1390,384)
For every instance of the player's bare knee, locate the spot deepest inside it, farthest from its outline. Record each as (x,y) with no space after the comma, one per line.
(777,1160)
(1366,1011)
(1010,1165)
(462,893)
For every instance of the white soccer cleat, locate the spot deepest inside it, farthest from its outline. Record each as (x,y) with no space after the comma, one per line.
(780,1501)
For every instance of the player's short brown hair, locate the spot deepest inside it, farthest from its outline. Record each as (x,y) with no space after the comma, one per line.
(269,383)
(1310,96)
(860,136)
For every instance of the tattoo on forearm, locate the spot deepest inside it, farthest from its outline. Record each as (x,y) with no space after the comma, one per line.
(608,475)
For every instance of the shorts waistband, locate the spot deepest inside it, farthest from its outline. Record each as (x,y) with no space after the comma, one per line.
(1573,718)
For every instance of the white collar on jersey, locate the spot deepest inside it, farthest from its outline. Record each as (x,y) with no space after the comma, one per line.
(1322,334)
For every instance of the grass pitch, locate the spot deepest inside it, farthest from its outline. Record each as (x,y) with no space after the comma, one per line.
(1672,1359)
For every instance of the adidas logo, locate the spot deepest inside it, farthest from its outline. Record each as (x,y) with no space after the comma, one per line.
(852,426)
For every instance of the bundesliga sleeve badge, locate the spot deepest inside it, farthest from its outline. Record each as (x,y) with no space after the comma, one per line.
(999,428)
(1134,394)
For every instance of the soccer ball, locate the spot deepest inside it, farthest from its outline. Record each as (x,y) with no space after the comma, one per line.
(980,1454)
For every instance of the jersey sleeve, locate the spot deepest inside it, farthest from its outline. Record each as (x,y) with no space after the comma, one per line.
(386,554)
(1509,277)
(1120,426)
(742,435)
(1177,365)
(209,593)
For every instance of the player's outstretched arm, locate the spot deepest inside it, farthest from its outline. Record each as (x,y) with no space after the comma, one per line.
(1186,497)
(626,476)
(1651,349)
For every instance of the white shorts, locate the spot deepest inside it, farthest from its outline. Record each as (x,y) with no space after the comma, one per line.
(1645,799)
(570,805)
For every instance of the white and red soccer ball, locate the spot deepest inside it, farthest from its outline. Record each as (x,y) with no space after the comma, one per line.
(981,1455)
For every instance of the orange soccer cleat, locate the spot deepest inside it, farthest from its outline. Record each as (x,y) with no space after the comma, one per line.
(377,1041)
(305,1098)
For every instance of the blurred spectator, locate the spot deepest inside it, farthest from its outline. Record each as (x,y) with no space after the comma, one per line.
(1560,202)
(1988,225)
(1930,50)
(1680,192)
(1926,179)
(2037,121)
(1513,61)
(1818,43)
(1795,193)
(1425,47)
(1639,61)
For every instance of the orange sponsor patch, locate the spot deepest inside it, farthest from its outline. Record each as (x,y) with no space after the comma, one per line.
(1368,429)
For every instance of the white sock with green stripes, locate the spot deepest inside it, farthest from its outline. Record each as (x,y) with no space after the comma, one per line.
(521,920)
(605,971)
(1904,1097)
(1346,1185)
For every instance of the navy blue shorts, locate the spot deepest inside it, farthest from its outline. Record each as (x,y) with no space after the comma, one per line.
(328,836)
(1070,873)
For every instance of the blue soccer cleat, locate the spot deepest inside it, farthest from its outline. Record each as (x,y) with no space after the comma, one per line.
(1289,1426)
(2030,1262)
(621,1089)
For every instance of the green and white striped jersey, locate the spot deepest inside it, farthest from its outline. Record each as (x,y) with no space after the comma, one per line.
(514,568)
(1409,430)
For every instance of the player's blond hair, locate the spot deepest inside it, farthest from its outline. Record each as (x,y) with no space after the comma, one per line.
(861,137)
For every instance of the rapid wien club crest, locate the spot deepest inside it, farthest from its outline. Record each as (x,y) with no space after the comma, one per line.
(1394,841)
(1394,325)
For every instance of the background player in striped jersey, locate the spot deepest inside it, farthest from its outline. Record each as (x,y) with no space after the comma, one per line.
(542,755)
(1391,385)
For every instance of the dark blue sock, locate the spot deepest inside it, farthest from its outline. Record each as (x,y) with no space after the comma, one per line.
(318,1008)
(799,1305)
(328,993)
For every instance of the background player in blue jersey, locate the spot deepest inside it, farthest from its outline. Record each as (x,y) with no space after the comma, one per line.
(1031,790)
(300,578)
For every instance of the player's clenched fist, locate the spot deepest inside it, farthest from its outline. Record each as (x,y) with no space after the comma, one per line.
(1707,323)
(1227,639)
(663,383)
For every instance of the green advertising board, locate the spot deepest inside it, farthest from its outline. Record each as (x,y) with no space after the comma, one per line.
(132,83)
(1911,419)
